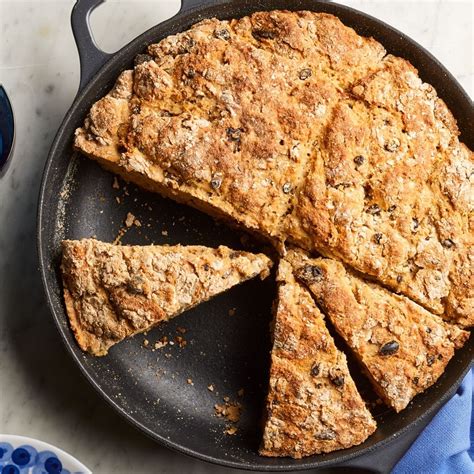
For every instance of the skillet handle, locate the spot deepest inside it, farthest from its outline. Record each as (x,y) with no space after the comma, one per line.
(91,57)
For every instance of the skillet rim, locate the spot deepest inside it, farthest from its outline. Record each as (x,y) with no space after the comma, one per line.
(63,136)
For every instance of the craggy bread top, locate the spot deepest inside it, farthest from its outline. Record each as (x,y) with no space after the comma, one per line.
(292,125)
(402,347)
(227,112)
(391,192)
(313,405)
(114,291)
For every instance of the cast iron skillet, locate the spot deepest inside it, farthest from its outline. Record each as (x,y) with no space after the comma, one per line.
(149,388)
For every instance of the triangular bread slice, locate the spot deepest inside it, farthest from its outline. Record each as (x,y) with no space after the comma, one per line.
(402,347)
(313,405)
(112,291)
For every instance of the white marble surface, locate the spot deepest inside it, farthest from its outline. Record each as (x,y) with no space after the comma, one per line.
(42,394)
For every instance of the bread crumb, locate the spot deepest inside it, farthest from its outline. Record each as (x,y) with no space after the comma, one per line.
(146,342)
(210,387)
(190,381)
(117,199)
(232,311)
(122,231)
(231,430)
(180,341)
(137,223)
(161,343)
(129,219)
(226,399)
(230,411)
(164,232)
(233,413)
(115,183)
(181,330)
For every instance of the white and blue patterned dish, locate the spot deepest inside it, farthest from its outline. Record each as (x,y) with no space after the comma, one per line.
(22,455)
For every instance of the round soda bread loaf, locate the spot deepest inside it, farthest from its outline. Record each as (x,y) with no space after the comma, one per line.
(293,126)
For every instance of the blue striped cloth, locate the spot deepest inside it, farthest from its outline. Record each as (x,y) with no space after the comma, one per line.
(445,446)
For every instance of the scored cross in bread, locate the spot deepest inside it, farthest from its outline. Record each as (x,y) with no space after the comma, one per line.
(294,126)
(113,291)
(402,347)
(313,405)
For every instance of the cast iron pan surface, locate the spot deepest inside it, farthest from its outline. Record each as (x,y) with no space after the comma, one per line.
(149,388)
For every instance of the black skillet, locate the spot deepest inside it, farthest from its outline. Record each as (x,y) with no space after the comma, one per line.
(149,388)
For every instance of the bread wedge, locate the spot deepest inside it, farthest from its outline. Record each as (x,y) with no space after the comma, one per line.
(313,405)
(113,291)
(402,347)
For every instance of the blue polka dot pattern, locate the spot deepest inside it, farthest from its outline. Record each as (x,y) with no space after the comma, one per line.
(42,456)
(21,456)
(27,460)
(10,469)
(53,465)
(33,455)
(6,450)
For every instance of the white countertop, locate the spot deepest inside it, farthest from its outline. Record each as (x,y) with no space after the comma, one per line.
(42,393)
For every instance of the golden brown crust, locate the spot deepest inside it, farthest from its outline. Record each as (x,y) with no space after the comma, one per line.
(391,192)
(294,126)
(402,347)
(313,405)
(191,125)
(112,292)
